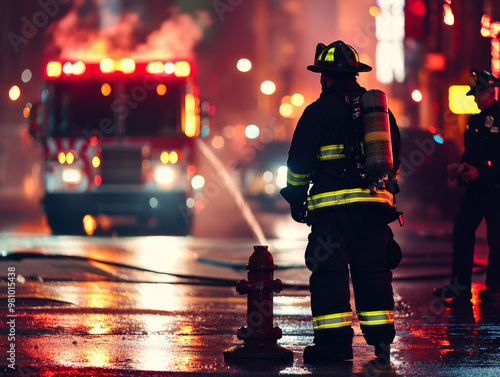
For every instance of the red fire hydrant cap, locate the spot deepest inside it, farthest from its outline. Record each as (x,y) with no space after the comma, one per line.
(261,259)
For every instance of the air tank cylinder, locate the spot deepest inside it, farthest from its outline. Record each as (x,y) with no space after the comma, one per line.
(377,133)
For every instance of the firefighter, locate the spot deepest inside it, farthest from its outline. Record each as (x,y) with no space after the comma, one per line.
(479,173)
(328,188)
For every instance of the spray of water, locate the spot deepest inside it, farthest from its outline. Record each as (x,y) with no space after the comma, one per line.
(234,191)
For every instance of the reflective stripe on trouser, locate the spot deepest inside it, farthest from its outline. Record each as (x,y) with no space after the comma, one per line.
(378,317)
(349,242)
(332,321)
(356,195)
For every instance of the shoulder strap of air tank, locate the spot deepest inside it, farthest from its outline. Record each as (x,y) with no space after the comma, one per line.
(357,127)
(352,142)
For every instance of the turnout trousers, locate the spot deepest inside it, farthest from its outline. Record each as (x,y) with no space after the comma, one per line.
(476,204)
(353,239)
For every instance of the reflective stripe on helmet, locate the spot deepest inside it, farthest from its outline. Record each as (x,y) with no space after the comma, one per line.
(337,57)
(295,179)
(379,317)
(330,55)
(332,320)
(347,196)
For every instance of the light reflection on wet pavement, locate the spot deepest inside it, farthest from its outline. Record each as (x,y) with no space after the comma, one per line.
(98,318)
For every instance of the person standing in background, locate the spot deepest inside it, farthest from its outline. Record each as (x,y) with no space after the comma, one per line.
(479,172)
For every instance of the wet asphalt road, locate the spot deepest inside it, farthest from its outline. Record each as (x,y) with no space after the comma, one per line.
(158,306)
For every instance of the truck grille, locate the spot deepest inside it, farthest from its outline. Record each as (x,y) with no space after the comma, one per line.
(121,166)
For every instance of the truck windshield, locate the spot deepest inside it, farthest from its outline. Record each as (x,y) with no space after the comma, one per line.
(151,109)
(114,108)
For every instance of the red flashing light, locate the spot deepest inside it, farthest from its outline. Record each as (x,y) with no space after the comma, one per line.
(107,65)
(182,69)
(78,68)
(155,67)
(169,68)
(54,69)
(126,65)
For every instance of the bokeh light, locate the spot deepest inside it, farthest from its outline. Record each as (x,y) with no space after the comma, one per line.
(14,93)
(268,87)
(252,131)
(244,65)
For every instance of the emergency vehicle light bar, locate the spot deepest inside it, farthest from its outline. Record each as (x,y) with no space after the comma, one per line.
(57,69)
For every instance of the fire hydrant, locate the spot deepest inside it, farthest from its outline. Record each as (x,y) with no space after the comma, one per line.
(260,337)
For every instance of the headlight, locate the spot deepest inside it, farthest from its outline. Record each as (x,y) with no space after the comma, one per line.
(72,176)
(164,175)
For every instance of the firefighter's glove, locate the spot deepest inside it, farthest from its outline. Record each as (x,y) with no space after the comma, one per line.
(299,212)
(297,203)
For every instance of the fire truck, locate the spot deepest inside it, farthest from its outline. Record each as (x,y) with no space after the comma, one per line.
(118,144)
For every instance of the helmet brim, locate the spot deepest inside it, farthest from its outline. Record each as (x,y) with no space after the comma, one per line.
(480,87)
(362,68)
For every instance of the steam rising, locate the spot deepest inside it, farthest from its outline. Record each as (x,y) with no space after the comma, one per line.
(111,32)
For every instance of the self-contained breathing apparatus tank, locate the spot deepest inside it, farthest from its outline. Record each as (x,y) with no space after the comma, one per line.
(377,138)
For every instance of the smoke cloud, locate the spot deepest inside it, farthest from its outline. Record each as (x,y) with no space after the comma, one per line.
(106,30)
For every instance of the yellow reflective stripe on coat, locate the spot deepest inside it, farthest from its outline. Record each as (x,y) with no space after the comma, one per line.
(334,152)
(295,179)
(335,198)
(379,317)
(332,320)
(331,152)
